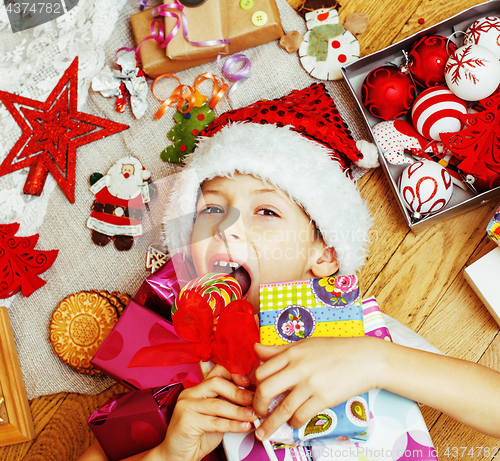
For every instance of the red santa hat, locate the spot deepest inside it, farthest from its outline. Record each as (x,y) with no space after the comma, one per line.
(298,143)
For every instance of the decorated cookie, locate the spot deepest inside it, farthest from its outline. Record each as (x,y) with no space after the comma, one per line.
(327,46)
(114,299)
(124,297)
(120,196)
(79,325)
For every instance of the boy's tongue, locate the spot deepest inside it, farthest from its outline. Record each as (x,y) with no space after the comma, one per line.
(240,274)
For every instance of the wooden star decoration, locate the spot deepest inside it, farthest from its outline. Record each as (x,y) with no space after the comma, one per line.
(51,132)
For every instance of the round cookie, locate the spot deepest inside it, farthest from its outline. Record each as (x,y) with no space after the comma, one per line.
(123,297)
(79,325)
(113,298)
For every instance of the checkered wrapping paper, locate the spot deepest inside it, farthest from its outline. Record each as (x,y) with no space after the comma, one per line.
(306,306)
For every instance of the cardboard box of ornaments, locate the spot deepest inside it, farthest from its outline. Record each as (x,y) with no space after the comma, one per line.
(355,74)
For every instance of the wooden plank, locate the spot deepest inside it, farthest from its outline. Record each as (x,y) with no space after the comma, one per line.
(425,265)
(388,230)
(433,12)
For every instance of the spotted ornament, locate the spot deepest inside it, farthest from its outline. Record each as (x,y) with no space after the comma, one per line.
(425,187)
(485,32)
(472,72)
(394,137)
(437,110)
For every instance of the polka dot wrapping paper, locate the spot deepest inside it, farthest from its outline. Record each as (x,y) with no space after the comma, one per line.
(132,422)
(139,327)
(320,307)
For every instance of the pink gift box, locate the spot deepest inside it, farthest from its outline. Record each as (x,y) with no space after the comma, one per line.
(134,422)
(139,327)
(160,289)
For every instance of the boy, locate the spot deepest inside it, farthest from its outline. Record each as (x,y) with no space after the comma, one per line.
(298,216)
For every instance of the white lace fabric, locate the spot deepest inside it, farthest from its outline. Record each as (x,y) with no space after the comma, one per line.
(31,64)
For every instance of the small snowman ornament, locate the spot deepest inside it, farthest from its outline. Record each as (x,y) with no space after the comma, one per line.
(327,45)
(472,72)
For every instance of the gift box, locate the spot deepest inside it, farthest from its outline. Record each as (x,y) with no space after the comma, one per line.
(482,276)
(397,428)
(355,73)
(139,327)
(159,290)
(134,422)
(243,34)
(322,307)
(328,306)
(206,22)
(493,227)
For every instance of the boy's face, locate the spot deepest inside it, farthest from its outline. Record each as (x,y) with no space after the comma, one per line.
(272,239)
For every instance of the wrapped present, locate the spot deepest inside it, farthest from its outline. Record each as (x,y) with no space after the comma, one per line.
(159,290)
(493,227)
(243,33)
(322,307)
(207,23)
(482,276)
(397,428)
(328,306)
(134,422)
(139,327)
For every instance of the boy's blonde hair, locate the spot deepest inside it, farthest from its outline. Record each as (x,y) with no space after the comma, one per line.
(300,167)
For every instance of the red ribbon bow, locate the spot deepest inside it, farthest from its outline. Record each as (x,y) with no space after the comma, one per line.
(231,345)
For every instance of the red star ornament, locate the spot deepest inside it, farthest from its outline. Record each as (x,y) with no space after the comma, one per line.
(51,132)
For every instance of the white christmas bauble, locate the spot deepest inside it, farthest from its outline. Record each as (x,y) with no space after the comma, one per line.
(437,110)
(485,32)
(425,188)
(472,72)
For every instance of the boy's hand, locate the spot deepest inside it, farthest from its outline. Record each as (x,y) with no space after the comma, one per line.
(201,418)
(319,372)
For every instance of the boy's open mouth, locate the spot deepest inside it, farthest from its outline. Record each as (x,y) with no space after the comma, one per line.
(236,271)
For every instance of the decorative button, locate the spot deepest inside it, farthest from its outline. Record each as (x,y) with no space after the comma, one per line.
(119,212)
(247,4)
(259,18)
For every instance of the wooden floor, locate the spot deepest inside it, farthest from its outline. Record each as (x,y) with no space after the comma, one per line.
(417,278)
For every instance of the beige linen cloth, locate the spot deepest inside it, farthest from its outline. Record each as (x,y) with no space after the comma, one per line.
(81,265)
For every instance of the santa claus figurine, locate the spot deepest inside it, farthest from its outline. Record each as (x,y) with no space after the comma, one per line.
(119,198)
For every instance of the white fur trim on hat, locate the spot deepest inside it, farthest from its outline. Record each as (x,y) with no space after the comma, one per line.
(300,167)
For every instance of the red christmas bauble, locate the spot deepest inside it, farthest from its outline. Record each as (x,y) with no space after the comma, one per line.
(388,92)
(427,58)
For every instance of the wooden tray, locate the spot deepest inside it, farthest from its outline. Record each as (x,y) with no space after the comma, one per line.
(17,425)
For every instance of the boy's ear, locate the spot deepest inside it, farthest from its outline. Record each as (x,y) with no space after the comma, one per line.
(326,264)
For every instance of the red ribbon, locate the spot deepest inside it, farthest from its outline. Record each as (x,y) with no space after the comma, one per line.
(231,345)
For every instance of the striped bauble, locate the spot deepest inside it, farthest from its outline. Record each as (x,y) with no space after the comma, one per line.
(437,110)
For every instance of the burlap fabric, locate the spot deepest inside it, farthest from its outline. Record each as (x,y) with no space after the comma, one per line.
(81,265)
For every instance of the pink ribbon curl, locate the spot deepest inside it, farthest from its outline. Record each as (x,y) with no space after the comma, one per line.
(159,36)
(239,76)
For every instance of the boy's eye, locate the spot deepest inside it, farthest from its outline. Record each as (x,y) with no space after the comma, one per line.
(267,212)
(212,209)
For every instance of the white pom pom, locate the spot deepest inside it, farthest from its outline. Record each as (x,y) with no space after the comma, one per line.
(370,154)
(145,174)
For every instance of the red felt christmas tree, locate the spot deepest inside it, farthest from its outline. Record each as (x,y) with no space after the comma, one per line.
(52,130)
(20,263)
(477,146)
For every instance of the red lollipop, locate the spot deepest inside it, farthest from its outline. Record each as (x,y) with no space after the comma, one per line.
(427,58)
(388,92)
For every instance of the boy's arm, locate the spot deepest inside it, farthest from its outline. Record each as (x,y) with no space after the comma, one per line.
(202,415)
(323,372)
